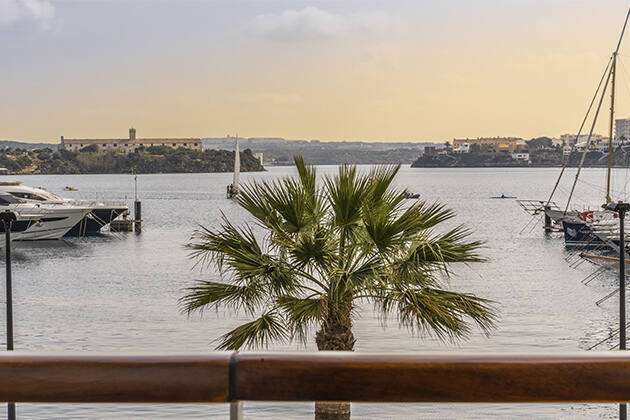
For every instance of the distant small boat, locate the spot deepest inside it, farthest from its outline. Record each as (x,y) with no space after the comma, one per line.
(503,196)
(410,195)
(70,189)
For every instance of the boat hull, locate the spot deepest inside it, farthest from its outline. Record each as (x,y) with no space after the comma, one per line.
(94,221)
(53,223)
(579,234)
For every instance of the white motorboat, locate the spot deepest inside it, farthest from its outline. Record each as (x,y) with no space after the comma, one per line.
(53,220)
(19,224)
(100,215)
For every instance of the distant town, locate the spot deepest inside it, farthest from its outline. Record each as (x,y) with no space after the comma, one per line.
(480,151)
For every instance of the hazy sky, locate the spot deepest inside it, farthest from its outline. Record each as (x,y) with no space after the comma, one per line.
(329,70)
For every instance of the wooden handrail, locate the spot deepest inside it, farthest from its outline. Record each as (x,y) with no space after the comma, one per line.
(323,376)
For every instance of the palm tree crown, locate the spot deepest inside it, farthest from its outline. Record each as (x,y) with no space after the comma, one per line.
(327,248)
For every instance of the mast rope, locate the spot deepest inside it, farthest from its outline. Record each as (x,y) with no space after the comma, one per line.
(611,64)
(573,146)
(588,139)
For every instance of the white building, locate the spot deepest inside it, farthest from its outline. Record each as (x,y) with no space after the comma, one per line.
(462,148)
(622,130)
(569,139)
(520,156)
(130,144)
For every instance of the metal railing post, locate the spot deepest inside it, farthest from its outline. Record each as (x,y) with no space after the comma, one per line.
(7,218)
(623,408)
(236,410)
(236,406)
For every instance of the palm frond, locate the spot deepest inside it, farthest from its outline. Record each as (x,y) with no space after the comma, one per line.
(228,243)
(281,205)
(303,313)
(439,312)
(428,215)
(255,334)
(380,179)
(237,254)
(313,247)
(308,179)
(346,193)
(390,228)
(210,294)
(440,250)
(363,275)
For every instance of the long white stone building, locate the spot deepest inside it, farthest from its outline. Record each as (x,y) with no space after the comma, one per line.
(130,144)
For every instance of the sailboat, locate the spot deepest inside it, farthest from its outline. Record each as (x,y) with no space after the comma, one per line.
(583,227)
(232,189)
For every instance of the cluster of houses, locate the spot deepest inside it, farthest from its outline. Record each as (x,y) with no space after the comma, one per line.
(519,150)
(598,143)
(516,147)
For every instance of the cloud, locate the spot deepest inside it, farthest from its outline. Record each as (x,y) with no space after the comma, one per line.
(313,23)
(40,12)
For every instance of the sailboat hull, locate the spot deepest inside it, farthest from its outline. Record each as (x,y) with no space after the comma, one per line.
(579,234)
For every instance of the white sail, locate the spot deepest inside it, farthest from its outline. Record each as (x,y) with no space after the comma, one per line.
(237,167)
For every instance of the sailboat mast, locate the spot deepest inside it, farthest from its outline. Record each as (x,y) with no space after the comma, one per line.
(588,141)
(237,166)
(612,106)
(612,119)
(577,136)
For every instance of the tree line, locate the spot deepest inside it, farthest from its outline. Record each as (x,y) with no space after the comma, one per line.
(156,159)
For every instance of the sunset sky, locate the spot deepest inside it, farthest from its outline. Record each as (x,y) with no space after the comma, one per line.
(329,70)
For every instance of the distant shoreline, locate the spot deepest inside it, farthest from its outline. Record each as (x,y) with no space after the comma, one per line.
(153,160)
(515,166)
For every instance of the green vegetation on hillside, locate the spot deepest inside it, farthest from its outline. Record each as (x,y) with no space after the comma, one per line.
(341,156)
(151,160)
(537,158)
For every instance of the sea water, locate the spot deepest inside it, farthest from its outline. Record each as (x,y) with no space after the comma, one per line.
(119,292)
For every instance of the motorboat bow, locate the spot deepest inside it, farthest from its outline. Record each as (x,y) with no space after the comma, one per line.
(100,214)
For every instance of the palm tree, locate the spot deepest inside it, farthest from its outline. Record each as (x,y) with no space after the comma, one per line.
(328,248)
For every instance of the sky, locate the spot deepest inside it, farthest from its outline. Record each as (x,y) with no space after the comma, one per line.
(329,70)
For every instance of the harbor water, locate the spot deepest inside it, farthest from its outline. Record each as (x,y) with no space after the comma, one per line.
(119,292)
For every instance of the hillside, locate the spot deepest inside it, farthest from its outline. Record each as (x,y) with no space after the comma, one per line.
(151,160)
(10,144)
(336,157)
(537,158)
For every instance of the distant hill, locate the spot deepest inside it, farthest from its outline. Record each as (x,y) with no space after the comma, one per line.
(340,156)
(278,151)
(262,144)
(537,158)
(10,144)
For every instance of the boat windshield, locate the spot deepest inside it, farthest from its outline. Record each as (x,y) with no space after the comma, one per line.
(37,196)
(6,199)
(48,195)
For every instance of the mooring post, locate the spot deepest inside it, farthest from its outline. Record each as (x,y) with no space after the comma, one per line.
(547,220)
(137,216)
(137,208)
(7,218)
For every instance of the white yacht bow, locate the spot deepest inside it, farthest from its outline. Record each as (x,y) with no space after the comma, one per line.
(53,220)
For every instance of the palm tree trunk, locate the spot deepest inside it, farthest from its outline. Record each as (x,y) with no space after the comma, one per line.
(335,334)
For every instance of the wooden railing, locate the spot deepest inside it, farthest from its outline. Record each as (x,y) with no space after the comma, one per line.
(324,376)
